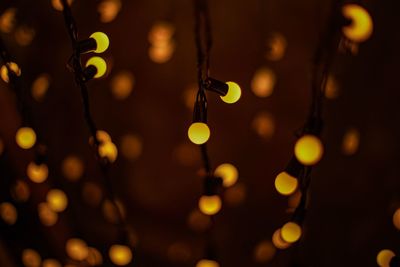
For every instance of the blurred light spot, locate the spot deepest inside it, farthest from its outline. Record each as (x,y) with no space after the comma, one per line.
(161,33)
(109,151)
(122,85)
(384,257)
(24,35)
(179,252)
(8,213)
(161,54)
(72,168)
(199,133)
(57,4)
(189,96)
(37,173)
(94,257)
(40,86)
(263,82)
(291,232)
(285,184)
(110,211)
(100,65)
(8,20)
(198,221)
(4,71)
(264,252)
(361,26)
(57,200)
(278,241)
(102,136)
(228,173)
(25,137)
(51,263)
(131,146)
(46,215)
(331,88)
(276,47)
(309,149)
(120,255)
(92,193)
(351,142)
(235,195)
(210,205)
(20,191)
(109,10)
(31,258)
(294,201)
(187,154)
(77,249)
(264,125)
(396,219)
(207,263)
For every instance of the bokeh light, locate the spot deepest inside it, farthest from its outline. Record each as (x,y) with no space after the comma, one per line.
(72,168)
(278,241)
(77,249)
(361,26)
(179,252)
(46,215)
(207,263)
(24,35)
(264,125)
(122,84)
(228,173)
(92,194)
(57,4)
(120,255)
(291,232)
(331,88)
(51,263)
(309,150)
(263,82)
(351,141)
(109,151)
(286,184)
(37,173)
(57,200)
(25,137)
(94,257)
(210,205)
(4,71)
(235,195)
(264,252)
(198,221)
(109,10)
(8,213)
(384,256)
(396,219)
(8,20)
(20,191)
(234,93)
(276,47)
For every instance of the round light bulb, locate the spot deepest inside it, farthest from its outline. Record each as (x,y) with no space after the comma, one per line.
(102,41)
(361,26)
(210,205)
(108,150)
(384,257)
(120,255)
(57,200)
(286,184)
(207,263)
(37,173)
(25,137)
(278,241)
(100,65)
(228,173)
(291,232)
(199,133)
(309,150)
(4,71)
(234,93)
(77,249)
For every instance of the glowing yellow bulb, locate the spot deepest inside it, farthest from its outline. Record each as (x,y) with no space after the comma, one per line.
(102,41)
(109,10)
(25,137)
(286,184)
(4,71)
(100,65)
(30,258)
(384,256)
(351,142)
(108,150)
(37,173)
(234,93)
(309,150)
(8,213)
(120,255)
(77,249)
(207,263)
(102,136)
(228,173)
(210,205)
(278,241)
(57,200)
(361,26)
(291,232)
(199,133)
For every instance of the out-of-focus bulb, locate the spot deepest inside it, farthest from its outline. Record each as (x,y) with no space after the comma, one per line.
(228,173)
(100,65)
(25,137)
(309,150)
(4,71)
(102,41)
(384,257)
(57,200)
(291,232)
(210,205)
(37,173)
(77,249)
(108,150)
(199,133)
(120,255)
(361,26)
(207,263)
(286,184)
(234,93)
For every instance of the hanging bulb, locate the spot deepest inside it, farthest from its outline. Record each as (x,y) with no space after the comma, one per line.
(309,150)
(278,241)
(120,255)
(76,249)
(98,42)
(38,173)
(108,150)
(96,67)
(25,137)
(229,92)
(291,232)
(210,205)
(4,71)
(384,257)
(286,184)
(228,173)
(207,263)
(199,133)
(57,200)
(361,26)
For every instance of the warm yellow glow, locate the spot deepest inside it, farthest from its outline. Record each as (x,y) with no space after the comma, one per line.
(8,213)
(264,125)
(199,133)
(122,85)
(309,150)
(264,252)
(278,241)
(46,215)
(198,221)
(94,257)
(108,150)
(396,219)
(161,33)
(291,232)
(162,53)
(210,205)
(30,258)
(102,41)
(57,4)
(8,20)
(57,200)
(207,263)
(276,47)
(120,255)
(92,193)
(4,71)
(25,137)
(40,86)
(286,184)
(51,263)
(331,88)
(20,191)
(102,137)
(37,173)
(361,26)
(263,82)
(72,168)
(235,195)
(384,256)
(351,142)
(24,35)
(109,10)
(228,173)
(131,146)
(234,93)
(77,249)
(100,65)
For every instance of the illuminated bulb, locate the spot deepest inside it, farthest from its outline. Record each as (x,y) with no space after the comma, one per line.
(308,150)
(278,241)
(30,258)
(131,146)
(120,255)
(228,173)
(263,82)
(291,232)
(8,20)
(46,215)
(210,205)
(8,213)
(37,173)
(361,26)
(108,150)
(233,94)
(384,257)
(100,65)
(264,252)
(102,136)
(77,249)
(199,133)
(51,263)
(102,41)
(207,263)
(4,71)
(25,137)
(286,184)
(57,200)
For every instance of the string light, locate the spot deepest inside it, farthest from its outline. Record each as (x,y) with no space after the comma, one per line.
(38,173)
(77,249)
(96,67)
(207,263)
(361,26)
(291,232)
(234,93)
(309,150)
(228,173)
(286,184)
(25,137)
(210,205)
(199,133)
(120,255)
(57,200)
(384,257)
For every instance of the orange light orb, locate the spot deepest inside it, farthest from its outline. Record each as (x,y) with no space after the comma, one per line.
(309,150)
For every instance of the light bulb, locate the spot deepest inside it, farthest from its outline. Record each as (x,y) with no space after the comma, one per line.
(207,263)
(361,26)
(291,232)
(99,64)
(120,255)
(384,257)
(37,173)
(25,137)
(210,205)
(108,150)
(309,150)
(286,184)
(199,133)
(31,258)
(77,249)
(4,71)
(234,93)
(278,241)
(228,173)
(102,41)
(57,200)
(51,263)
